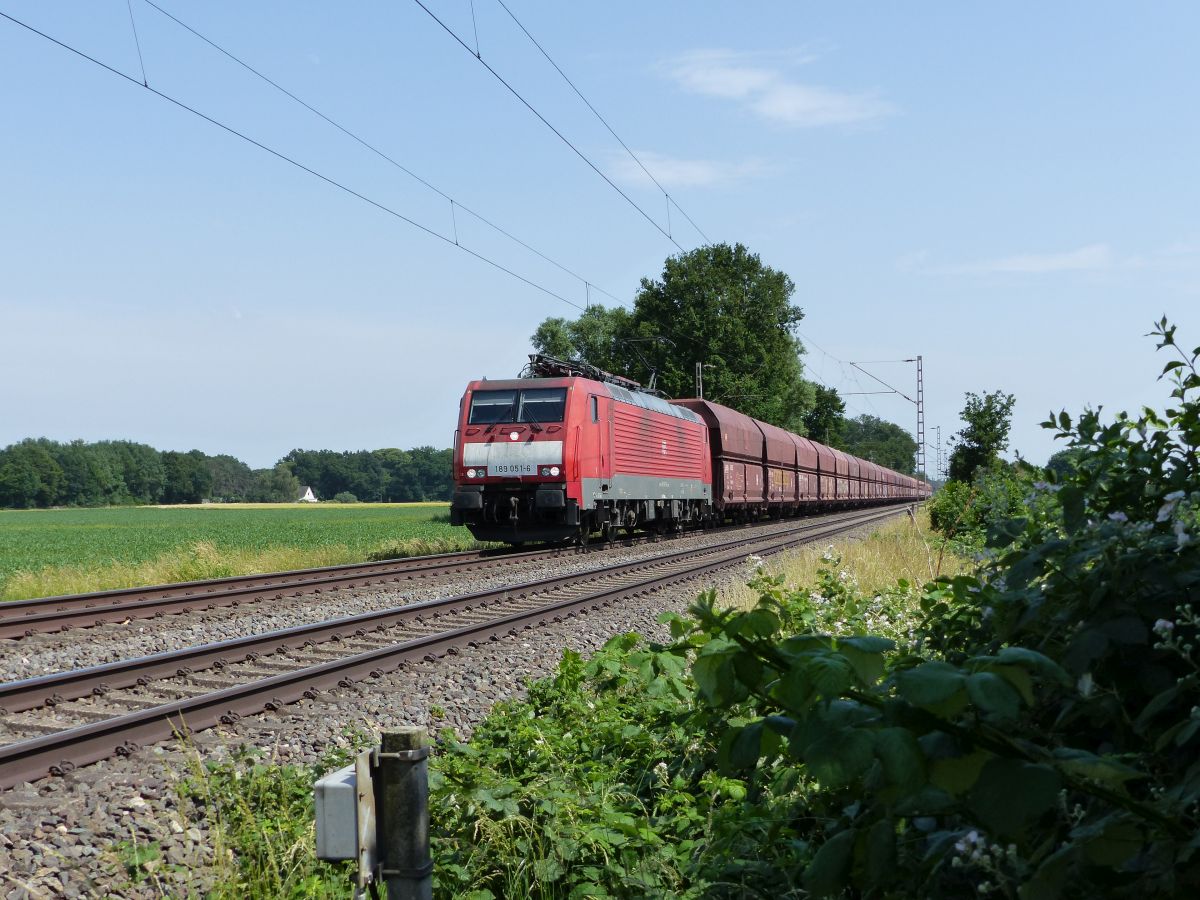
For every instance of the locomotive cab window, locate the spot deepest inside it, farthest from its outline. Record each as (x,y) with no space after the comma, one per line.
(595,408)
(543,405)
(491,407)
(534,405)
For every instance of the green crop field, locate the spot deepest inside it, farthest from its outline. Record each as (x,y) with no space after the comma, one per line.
(44,552)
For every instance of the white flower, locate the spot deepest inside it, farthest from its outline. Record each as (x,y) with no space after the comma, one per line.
(1164,627)
(1169,503)
(1182,538)
(1085,684)
(1118,516)
(754,560)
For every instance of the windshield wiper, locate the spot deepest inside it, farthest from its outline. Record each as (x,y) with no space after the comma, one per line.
(509,410)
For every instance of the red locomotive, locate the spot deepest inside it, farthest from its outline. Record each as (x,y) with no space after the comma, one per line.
(570,451)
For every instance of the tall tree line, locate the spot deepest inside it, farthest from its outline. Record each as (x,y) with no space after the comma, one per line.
(39,473)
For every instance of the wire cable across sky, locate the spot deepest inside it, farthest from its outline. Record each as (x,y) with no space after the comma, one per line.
(299,165)
(670,200)
(455,204)
(562,137)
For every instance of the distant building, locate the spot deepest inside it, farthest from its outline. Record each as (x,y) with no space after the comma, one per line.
(307,496)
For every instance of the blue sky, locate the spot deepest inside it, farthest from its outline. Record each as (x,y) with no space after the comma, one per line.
(1010,191)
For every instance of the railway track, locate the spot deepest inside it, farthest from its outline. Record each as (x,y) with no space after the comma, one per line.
(129,703)
(47,615)
(24,618)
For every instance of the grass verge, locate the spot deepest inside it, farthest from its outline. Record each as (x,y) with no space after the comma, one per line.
(903,549)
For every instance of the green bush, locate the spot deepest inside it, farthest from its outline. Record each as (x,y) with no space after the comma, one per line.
(1040,738)
(344,497)
(964,511)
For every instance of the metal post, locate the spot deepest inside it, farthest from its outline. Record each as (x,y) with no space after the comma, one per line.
(699,381)
(402,800)
(921,420)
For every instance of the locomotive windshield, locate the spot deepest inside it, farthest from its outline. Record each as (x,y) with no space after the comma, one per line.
(535,405)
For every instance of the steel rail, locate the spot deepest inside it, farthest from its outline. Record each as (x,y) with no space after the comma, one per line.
(58,687)
(23,618)
(60,752)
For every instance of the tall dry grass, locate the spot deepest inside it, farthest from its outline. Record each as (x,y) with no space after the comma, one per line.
(901,548)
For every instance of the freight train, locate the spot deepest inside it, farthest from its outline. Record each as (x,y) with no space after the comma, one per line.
(570,452)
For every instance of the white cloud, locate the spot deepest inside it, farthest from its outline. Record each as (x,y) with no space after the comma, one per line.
(672,172)
(767,90)
(1085,259)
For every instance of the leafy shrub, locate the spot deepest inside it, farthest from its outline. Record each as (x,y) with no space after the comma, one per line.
(605,781)
(344,497)
(964,511)
(603,784)
(1040,738)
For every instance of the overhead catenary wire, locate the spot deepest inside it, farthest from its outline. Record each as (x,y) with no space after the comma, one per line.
(845,377)
(603,121)
(884,383)
(856,365)
(454,202)
(282,156)
(562,137)
(137,43)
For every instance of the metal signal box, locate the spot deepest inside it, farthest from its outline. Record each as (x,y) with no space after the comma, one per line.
(345,813)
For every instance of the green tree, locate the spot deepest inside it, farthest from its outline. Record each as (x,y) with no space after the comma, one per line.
(139,468)
(825,418)
(1063,462)
(30,475)
(432,476)
(187,477)
(277,485)
(885,443)
(598,336)
(232,480)
(90,477)
(367,476)
(718,305)
(19,484)
(988,418)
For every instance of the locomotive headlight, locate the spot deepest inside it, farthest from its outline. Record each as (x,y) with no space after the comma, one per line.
(554,470)
(471,473)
